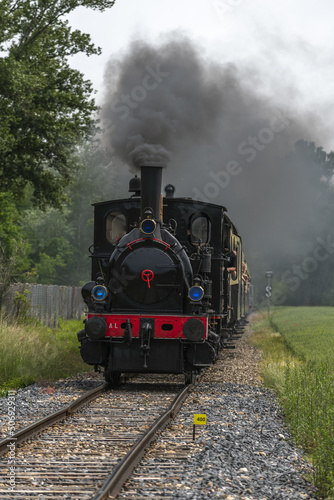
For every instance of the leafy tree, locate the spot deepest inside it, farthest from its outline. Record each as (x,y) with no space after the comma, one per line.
(47,269)
(9,228)
(51,253)
(46,107)
(59,238)
(13,249)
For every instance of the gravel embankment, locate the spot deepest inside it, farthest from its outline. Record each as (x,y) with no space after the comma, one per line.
(39,400)
(244,452)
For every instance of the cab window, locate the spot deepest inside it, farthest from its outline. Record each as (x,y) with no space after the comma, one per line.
(115,227)
(200,229)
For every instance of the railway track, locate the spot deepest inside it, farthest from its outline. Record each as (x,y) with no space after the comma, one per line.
(40,400)
(41,424)
(90,455)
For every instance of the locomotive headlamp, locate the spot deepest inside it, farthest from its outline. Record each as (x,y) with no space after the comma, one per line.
(196,293)
(148,226)
(99,292)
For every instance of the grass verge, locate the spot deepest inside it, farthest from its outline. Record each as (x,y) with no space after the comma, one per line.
(32,352)
(298,363)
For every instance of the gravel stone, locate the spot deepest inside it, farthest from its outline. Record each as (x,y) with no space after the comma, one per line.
(41,399)
(245,451)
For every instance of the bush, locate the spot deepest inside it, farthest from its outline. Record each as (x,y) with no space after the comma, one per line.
(32,352)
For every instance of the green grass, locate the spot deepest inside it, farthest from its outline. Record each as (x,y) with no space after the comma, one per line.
(32,352)
(298,362)
(276,355)
(307,331)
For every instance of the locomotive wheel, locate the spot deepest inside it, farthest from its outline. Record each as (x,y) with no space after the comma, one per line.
(113,378)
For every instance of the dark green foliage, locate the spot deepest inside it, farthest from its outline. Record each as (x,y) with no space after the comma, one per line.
(99,180)
(46,107)
(10,230)
(52,254)
(13,249)
(14,384)
(22,305)
(59,238)
(46,112)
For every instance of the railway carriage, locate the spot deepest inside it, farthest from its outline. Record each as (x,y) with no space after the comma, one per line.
(168,282)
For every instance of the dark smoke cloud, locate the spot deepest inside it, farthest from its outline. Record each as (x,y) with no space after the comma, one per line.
(142,153)
(224,140)
(166,95)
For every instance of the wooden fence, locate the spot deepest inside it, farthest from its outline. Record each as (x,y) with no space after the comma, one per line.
(47,303)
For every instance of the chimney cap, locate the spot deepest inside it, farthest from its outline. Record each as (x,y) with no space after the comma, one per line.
(153,164)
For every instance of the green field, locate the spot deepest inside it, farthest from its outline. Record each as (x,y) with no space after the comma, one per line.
(298,362)
(307,331)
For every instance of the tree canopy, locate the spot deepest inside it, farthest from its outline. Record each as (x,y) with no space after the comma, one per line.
(46,107)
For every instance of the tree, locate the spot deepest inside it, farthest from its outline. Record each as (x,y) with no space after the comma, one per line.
(59,238)
(46,108)
(13,249)
(52,254)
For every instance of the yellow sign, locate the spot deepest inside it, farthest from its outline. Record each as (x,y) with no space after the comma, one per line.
(199,419)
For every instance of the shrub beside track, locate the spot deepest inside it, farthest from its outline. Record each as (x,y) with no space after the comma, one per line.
(30,352)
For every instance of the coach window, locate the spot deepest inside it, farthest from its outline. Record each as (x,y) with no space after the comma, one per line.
(200,229)
(115,227)
(225,237)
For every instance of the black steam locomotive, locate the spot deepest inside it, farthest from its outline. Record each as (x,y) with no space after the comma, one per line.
(169,282)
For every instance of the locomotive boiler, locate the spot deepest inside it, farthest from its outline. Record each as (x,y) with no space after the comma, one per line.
(162,298)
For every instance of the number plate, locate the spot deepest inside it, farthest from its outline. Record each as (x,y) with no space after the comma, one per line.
(199,419)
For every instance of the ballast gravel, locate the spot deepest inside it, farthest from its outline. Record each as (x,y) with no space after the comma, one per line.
(39,400)
(243,452)
(246,451)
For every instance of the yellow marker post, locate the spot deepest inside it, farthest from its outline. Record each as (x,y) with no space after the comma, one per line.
(199,419)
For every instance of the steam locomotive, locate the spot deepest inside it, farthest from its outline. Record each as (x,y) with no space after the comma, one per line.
(169,282)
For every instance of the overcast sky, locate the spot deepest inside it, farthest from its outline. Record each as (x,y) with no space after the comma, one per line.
(290,42)
(283,51)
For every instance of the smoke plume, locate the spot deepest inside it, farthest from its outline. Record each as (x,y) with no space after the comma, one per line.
(224,141)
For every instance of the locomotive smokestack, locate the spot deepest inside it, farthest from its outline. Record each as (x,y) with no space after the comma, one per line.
(151,177)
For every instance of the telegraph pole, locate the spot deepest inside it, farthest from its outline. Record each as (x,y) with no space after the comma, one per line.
(269,275)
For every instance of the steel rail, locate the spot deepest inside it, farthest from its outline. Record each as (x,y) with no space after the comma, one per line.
(45,422)
(123,470)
